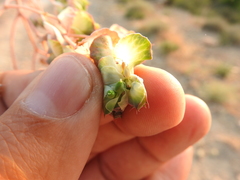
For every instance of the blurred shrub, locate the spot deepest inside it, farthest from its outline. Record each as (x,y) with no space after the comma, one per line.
(230,14)
(167,47)
(228,34)
(215,24)
(194,6)
(135,13)
(230,37)
(216,92)
(228,9)
(222,70)
(123,1)
(152,28)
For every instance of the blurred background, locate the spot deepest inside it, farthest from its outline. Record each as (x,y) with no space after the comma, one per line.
(198,41)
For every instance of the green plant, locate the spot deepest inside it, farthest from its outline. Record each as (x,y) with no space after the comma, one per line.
(194,6)
(215,24)
(135,13)
(227,9)
(152,28)
(230,37)
(166,47)
(115,50)
(216,92)
(116,58)
(228,34)
(230,14)
(222,70)
(123,1)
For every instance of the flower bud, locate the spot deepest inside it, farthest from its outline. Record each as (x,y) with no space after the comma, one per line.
(137,95)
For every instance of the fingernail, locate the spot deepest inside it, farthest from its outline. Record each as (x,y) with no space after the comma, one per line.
(62,90)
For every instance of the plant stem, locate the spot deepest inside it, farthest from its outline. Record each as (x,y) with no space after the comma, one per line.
(9,6)
(12,38)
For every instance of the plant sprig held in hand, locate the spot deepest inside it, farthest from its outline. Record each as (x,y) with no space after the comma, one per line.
(115,51)
(116,58)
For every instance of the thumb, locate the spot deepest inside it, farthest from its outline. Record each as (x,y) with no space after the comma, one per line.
(50,129)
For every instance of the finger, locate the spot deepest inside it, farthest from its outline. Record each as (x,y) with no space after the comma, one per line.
(14,82)
(195,125)
(166,110)
(157,118)
(176,168)
(139,157)
(166,104)
(108,135)
(50,129)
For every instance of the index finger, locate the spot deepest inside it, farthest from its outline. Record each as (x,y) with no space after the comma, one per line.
(14,82)
(166,104)
(166,109)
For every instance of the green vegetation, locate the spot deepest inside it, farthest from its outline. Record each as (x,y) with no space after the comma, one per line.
(228,9)
(194,6)
(152,28)
(136,9)
(228,34)
(167,47)
(222,70)
(221,17)
(123,1)
(215,24)
(216,92)
(135,13)
(231,36)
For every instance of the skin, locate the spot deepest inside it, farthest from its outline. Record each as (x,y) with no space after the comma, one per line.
(82,143)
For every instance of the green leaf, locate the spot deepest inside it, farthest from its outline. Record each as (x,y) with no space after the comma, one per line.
(119,87)
(81,4)
(133,49)
(110,105)
(102,46)
(86,43)
(56,47)
(109,61)
(110,75)
(106,61)
(67,49)
(137,95)
(124,101)
(82,23)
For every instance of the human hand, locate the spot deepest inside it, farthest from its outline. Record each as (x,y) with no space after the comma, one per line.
(52,126)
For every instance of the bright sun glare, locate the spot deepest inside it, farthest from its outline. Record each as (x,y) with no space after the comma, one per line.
(123,53)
